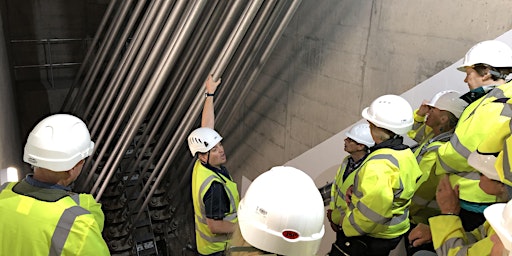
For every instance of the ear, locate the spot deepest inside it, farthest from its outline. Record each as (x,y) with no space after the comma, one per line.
(487,76)
(360,147)
(202,157)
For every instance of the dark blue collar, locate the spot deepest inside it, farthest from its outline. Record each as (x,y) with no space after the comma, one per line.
(30,180)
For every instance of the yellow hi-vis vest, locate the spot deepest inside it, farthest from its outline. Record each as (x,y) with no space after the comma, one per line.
(382,192)
(424,205)
(202,178)
(477,122)
(71,225)
(338,204)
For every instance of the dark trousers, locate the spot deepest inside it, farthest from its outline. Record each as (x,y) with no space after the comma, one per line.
(363,245)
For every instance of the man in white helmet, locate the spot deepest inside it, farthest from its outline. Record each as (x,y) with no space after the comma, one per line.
(282,213)
(377,214)
(486,65)
(443,113)
(214,193)
(40,215)
(358,142)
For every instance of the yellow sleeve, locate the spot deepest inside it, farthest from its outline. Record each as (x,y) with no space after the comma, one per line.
(450,239)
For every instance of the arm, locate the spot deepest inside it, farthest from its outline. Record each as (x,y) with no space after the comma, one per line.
(450,238)
(208,117)
(220,226)
(85,238)
(419,129)
(216,204)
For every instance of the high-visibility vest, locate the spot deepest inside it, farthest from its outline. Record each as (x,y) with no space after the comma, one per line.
(477,122)
(61,224)
(450,239)
(424,203)
(338,205)
(202,178)
(382,192)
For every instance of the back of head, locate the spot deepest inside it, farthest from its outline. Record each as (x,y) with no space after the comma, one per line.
(283,213)
(361,134)
(58,143)
(449,101)
(491,52)
(202,140)
(390,112)
(500,217)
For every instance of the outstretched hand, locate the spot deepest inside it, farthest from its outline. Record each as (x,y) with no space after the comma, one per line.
(211,86)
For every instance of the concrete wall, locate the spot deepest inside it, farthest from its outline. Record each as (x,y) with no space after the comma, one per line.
(335,58)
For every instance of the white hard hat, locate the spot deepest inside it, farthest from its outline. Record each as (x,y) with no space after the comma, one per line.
(361,134)
(283,213)
(484,163)
(450,101)
(202,140)
(500,217)
(390,112)
(492,52)
(58,143)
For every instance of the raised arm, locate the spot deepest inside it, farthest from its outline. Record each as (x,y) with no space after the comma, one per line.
(208,116)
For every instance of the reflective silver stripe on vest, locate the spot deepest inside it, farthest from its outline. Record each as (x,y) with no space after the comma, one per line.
(506,111)
(452,243)
(469,175)
(389,157)
(506,164)
(76,198)
(203,186)
(423,202)
(228,217)
(3,186)
(459,148)
(379,219)
(63,228)
(215,239)
(354,224)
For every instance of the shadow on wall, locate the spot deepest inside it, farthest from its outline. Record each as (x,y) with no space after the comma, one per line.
(266,115)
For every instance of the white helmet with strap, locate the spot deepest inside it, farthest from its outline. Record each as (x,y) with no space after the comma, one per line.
(283,213)
(390,112)
(491,52)
(58,143)
(361,134)
(202,140)
(450,101)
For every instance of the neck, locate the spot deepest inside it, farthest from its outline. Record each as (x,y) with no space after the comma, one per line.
(358,155)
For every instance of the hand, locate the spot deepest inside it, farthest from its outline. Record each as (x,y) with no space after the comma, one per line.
(420,235)
(348,195)
(334,227)
(211,86)
(446,197)
(423,109)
